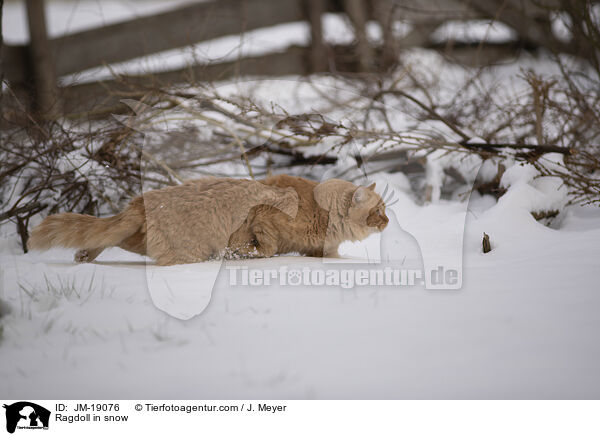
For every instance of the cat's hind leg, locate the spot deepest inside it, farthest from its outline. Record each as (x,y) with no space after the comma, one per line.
(135,243)
(88,254)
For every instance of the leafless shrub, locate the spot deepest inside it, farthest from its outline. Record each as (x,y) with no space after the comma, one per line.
(176,133)
(551,113)
(61,166)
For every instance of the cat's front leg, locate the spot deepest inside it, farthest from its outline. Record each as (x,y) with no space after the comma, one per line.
(254,240)
(242,244)
(266,239)
(331,250)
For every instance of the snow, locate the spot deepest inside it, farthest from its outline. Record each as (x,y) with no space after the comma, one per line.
(523,325)
(473,31)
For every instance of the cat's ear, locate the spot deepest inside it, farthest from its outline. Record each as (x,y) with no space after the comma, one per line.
(372,187)
(360,195)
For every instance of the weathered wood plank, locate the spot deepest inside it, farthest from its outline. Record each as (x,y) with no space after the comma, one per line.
(177,28)
(418,11)
(103,96)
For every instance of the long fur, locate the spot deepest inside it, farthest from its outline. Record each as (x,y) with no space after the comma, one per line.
(72,230)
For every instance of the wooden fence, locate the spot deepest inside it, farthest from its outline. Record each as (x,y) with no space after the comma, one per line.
(32,70)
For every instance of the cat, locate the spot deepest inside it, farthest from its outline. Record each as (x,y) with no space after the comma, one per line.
(222,217)
(329,213)
(187,223)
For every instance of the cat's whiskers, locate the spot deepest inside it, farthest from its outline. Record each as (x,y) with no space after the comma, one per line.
(384,192)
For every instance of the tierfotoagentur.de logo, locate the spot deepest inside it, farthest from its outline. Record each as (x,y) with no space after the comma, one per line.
(24,415)
(342,277)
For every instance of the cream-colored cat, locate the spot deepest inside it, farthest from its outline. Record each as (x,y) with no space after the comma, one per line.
(212,217)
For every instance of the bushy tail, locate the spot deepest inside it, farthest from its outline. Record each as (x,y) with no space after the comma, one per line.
(72,230)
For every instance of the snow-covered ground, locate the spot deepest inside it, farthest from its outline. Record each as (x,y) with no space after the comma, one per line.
(524,323)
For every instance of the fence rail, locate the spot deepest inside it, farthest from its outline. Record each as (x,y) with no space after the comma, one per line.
(212,19)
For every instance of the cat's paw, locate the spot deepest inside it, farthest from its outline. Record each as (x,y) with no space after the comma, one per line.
(82,256)
(243,251)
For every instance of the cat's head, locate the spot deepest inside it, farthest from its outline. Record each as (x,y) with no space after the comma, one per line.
(367,207)
(360,206)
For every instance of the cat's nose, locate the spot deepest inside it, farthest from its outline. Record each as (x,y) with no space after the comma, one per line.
(384,224)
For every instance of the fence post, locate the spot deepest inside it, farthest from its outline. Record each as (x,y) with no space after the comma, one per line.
(384,11)
(1,41)
(46,100)
(356,10)
(318,51)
